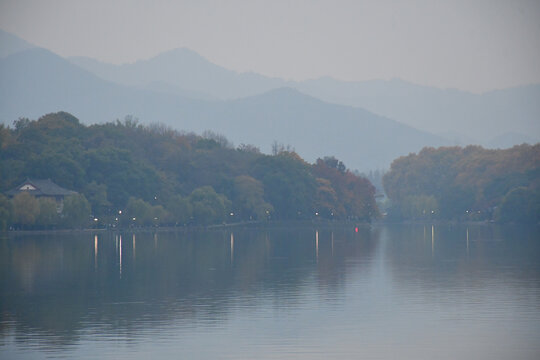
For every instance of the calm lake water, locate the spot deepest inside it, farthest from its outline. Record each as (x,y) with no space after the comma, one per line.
(385,292)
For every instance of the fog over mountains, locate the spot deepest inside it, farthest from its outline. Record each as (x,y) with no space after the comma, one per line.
(187,72)
(365,124)
(462,117)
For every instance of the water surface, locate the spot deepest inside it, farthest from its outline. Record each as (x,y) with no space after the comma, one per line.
(289,292)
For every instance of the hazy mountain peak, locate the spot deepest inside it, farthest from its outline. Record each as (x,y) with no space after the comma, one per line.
(283,96)
(183,59)
(11,44)
(181,52)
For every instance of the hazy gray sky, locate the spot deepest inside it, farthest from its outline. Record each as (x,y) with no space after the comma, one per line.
(474,45)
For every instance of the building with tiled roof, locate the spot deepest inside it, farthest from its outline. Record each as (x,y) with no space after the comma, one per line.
(43,188)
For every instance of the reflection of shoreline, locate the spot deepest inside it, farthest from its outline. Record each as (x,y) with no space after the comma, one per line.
(60,231)
(441,222)
(275,224)
(194,277)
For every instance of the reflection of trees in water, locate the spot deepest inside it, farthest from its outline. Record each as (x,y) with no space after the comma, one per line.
(55,288)
(437,260)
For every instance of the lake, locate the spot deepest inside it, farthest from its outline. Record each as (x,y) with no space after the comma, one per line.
(281,292)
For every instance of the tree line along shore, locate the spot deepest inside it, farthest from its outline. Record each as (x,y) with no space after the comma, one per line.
(126,174)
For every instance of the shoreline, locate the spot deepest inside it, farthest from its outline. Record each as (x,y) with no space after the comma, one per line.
(245,224)
(253,224)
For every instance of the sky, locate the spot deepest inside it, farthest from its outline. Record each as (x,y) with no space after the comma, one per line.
(472,45)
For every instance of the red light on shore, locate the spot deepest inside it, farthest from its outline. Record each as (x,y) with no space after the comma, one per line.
(356,229)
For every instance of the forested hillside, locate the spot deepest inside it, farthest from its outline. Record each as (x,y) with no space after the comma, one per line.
(128,174)
(470,183)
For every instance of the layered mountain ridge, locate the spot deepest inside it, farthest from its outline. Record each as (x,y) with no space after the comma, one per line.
(365,124)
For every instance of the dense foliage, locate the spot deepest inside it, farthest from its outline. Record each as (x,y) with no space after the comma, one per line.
(470,183)
(128,174)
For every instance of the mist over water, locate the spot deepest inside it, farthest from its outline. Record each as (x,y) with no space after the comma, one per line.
(284,292)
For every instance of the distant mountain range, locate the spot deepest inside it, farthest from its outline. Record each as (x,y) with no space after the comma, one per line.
(468,118)
(476,118)
(186,71)
(182,89)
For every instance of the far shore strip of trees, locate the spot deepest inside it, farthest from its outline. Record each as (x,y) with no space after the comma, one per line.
(128,174)
(466,184)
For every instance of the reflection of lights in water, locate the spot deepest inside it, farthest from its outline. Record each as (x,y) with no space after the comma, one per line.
(432,239)
(134,248)
(155,240)
(95,250)
(120,251)
(467,241)
(332,243)
(317,244)
(232,248)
